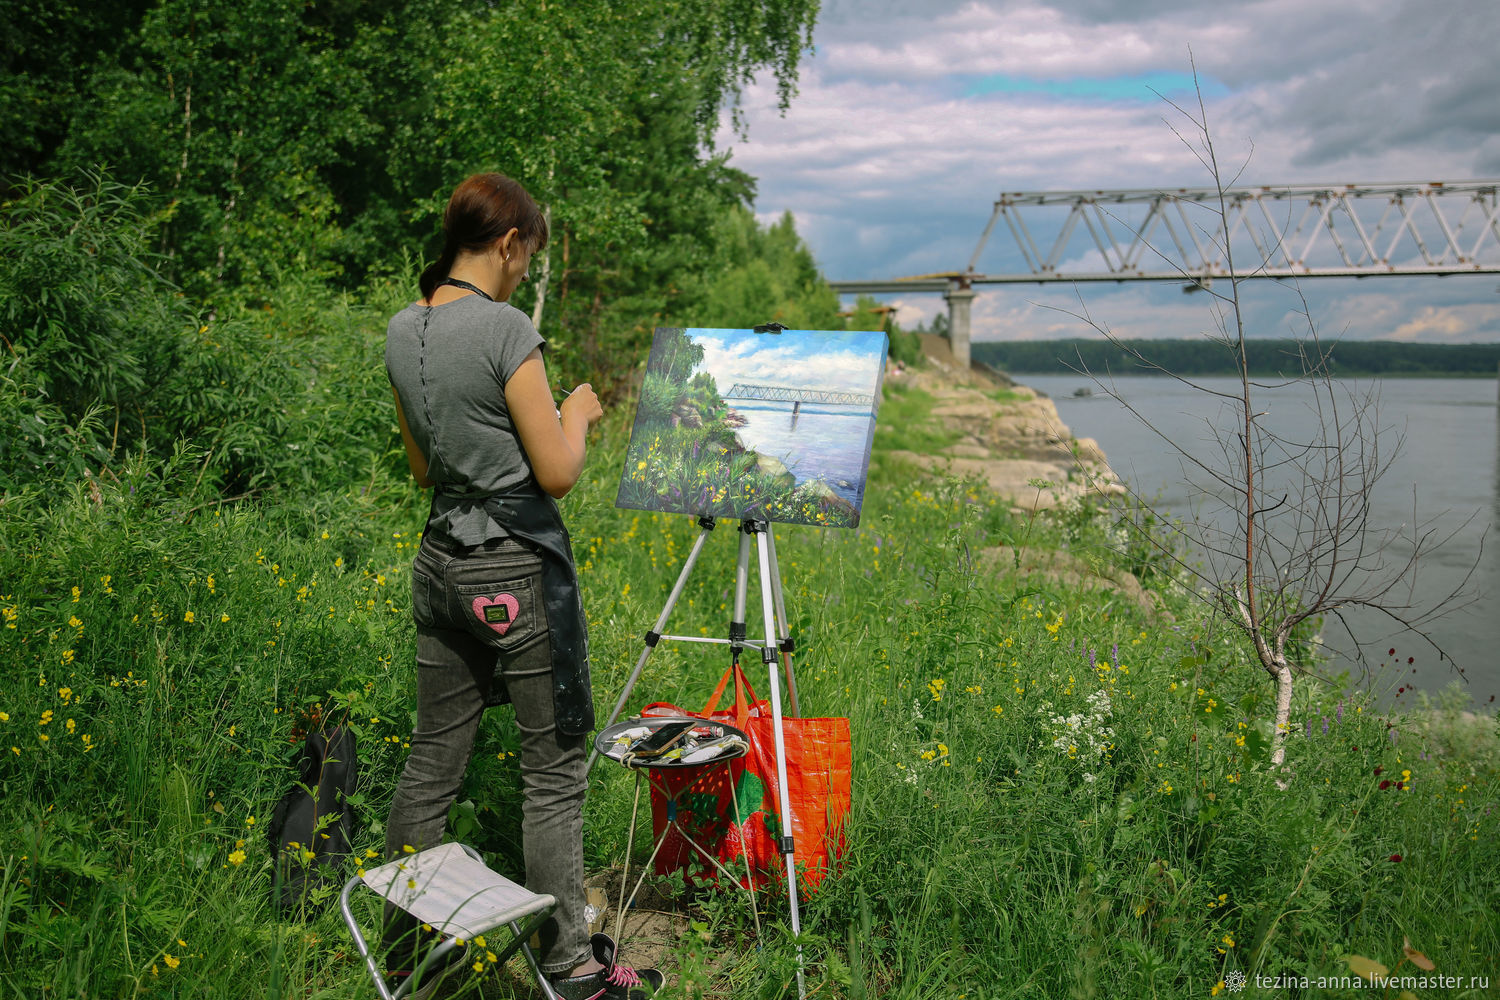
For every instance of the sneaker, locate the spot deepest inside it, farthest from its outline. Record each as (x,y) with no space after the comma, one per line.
(432,976)
(613,982)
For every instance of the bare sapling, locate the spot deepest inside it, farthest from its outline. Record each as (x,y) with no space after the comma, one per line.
(1281,540)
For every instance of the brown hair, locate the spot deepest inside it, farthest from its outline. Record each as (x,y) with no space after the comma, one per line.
(484,208)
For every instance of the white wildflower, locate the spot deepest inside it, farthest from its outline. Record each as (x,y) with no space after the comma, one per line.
(1083,735)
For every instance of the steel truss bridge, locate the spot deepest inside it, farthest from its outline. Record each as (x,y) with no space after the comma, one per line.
(1189,235)
(778,393)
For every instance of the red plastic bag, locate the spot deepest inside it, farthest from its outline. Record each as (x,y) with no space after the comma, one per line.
(818,769)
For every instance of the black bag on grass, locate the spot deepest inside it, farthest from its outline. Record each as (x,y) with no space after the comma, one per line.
(312,829)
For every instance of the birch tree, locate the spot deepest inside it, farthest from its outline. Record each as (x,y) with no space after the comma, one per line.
(1284,539)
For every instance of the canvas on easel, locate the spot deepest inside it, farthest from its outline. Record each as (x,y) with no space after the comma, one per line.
(771,425)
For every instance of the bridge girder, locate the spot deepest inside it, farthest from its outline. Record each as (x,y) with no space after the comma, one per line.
(781,393)
(1282,232)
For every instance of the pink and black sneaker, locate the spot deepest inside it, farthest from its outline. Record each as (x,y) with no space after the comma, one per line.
(613,982)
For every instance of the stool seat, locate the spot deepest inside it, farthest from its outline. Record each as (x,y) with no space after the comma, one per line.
(449,888)
(454,893)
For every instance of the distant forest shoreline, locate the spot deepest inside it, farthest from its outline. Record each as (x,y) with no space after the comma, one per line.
(1200,356)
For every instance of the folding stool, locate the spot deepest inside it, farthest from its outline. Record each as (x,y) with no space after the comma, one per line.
(449,888)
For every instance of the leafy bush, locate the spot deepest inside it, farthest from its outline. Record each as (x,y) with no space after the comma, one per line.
(107,359)
(37,440)
(92,329)
(658,397)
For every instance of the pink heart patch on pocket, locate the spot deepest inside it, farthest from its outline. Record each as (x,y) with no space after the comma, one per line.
(498,612)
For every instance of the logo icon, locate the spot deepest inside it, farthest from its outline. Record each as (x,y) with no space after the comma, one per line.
(1234,981)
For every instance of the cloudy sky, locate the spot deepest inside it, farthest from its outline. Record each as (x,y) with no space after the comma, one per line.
(912,116)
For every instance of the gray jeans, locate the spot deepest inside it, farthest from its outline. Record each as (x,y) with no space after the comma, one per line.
(478,611)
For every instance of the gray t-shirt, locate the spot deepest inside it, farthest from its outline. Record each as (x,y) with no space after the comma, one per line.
(451,379)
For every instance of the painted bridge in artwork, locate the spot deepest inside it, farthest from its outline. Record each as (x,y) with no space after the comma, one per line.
(785,394)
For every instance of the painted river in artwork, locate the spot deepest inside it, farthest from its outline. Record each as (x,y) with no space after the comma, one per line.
(831,443)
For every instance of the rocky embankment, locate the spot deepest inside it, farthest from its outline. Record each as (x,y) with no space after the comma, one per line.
(1012,439)
(1011,442)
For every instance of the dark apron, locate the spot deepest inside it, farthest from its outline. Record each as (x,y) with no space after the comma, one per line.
(531,516)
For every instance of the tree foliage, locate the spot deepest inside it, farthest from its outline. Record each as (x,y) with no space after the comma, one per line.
(322,139)
(209,207)
(764,275)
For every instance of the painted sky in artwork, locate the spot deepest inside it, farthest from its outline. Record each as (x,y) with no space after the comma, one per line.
(796,359)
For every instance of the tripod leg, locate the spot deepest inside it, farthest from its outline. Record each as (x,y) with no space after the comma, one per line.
(705,525)
(786,628)
(788,851)
(741,585)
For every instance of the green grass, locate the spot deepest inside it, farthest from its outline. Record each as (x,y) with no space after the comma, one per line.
(160,650)
(905,422)
(1010,395)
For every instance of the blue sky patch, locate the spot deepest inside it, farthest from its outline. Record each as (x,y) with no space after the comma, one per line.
(1114,88)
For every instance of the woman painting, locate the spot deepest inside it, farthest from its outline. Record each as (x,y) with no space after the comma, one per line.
(494,589)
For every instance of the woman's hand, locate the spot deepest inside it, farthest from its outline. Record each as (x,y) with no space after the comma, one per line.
(582,404)
(552,436)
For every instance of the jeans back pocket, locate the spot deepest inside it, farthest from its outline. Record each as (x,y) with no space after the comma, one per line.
(501,604)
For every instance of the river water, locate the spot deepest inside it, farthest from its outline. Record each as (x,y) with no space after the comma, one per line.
(1448,463)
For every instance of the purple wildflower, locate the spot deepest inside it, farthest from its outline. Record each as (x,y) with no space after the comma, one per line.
(1338,715)
(1393,735)
(1325,725)
(1114,652)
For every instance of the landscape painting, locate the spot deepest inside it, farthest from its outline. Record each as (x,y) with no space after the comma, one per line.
(772,426)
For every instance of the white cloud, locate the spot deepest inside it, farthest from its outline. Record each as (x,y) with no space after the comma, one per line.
(748,360)
(1031,40)
(1450,325)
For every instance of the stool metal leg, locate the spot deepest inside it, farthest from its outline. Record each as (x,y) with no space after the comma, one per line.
(525,948)
(359,939)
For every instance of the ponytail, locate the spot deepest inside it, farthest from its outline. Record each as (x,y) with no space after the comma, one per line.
(434,273)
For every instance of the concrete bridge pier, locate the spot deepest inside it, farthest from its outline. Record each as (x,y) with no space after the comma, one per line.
(959,297)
